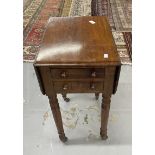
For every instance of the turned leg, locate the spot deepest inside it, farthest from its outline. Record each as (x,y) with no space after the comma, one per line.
(104,115)
(96,96)
(64,95)
(57,117)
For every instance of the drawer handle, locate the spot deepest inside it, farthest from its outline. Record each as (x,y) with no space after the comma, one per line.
(63,74)
(65,87)
(92,86)
(93,74)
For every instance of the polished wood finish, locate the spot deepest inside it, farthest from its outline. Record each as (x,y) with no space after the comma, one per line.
(57,117)
(75,40)
(78,56)
(78,87)
(80,73)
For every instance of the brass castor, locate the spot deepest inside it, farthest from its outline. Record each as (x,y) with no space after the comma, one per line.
(63,138)
(67,99)
(104,137)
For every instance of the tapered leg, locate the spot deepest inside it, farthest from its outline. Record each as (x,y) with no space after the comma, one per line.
(106,99)
(57,117)
(64,95)
(96,96)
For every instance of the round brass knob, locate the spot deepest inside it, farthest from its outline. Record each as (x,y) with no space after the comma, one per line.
(63,74)
(93,74)
(65,87)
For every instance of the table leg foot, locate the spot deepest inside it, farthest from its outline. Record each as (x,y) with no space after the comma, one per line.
(104,137)
(63,138)
(96,96)
(65,98)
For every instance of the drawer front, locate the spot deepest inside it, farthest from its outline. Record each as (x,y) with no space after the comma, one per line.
(77,73)
(78,87)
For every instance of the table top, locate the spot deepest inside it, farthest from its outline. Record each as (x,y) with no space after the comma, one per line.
(84,40)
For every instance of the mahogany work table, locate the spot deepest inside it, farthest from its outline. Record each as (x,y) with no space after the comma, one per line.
(78,55)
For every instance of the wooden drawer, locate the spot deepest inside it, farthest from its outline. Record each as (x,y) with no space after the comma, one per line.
(78,87)
(77,73)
